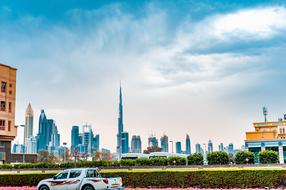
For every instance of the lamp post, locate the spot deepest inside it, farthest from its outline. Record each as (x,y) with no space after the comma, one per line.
(64,145)
(24,150)
(247,160)
(172,145)
(205,153)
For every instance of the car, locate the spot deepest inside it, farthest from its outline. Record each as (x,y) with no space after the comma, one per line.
(80,179)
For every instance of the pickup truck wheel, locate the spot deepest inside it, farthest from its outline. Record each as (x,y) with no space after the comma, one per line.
(44,187)
(87,187)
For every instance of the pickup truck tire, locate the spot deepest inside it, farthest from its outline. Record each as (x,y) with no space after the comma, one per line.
(44,187)
(87,187)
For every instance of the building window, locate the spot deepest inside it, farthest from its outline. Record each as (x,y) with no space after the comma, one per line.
(10,85)
(3,86)
(9,125)
(10,107)
(2,124)
(10,92)
(3,106)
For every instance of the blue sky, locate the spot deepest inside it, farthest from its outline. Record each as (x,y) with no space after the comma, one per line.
(200,67)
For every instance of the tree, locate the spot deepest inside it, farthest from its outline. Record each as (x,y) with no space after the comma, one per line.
(43,156)
(65,156)
(152,149)
(102,156)
(268,157)
(196,159)
(244,157)
(217,158)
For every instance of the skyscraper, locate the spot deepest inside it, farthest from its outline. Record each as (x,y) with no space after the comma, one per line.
(74,137)
(188,144)
(95,143)
(210,146)
(87,138)
(178,147)
(29,122)
(198,148)
(31,145)
(221,147)
(164,143)
(43,137)
(125,142)
(120,124)
(136,144)
(55,136)
(152,141)
(48,137)
(230,148)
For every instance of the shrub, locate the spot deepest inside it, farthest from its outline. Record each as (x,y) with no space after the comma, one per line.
(177,161)
(217,158)
(127,162)
(268,157)
(143,162)
(159,161)
(195,159)
(244,157)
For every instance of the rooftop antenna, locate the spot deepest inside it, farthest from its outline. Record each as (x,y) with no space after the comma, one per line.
(265,113)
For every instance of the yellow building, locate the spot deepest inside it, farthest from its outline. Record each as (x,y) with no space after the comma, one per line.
(268,136)
(8,130)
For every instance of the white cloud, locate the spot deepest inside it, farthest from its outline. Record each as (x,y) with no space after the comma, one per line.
(78,67)
(251,24)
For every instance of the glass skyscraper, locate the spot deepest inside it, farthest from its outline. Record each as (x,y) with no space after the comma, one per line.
(152,141)
(221,147)
(210,146)
(74,137)
(48,137)
(136,144)
(125,142)
(199,149)
(178,147)
(164,143)
(188,145)
(119,146)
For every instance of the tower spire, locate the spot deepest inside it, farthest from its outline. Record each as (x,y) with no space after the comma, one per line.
(120,122)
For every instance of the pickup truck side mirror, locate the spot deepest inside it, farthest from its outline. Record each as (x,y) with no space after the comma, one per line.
(54,177)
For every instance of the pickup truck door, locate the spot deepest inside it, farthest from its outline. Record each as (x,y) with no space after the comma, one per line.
(59,181)
(74,180)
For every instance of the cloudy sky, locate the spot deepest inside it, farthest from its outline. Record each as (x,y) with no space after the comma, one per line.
(204,68)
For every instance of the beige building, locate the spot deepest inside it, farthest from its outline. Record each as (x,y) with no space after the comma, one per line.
(8,130)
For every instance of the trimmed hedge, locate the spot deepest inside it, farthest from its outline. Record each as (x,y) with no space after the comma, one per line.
(175,179)
(101,163)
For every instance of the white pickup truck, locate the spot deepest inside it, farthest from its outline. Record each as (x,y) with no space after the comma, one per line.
(80,179)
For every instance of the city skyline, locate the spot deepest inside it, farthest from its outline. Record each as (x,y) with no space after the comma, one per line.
(184,69)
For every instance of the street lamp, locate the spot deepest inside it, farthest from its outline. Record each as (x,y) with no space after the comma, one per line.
(24,151)
(64,145)
(205,153)
(172,145)
(247,160)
